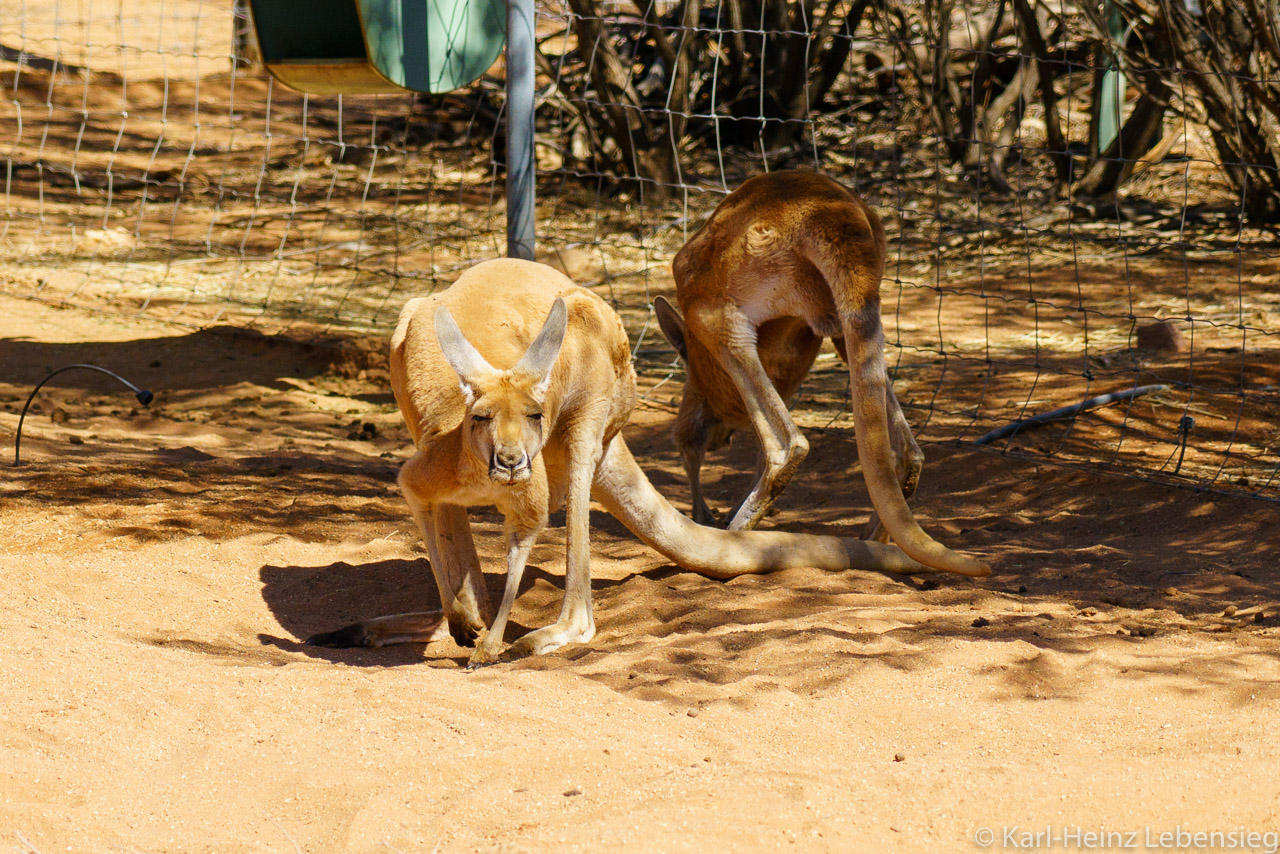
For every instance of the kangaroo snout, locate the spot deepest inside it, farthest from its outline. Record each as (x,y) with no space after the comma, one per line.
(509,465)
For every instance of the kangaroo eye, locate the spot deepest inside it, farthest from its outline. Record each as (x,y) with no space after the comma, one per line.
(535,416)
(481,419)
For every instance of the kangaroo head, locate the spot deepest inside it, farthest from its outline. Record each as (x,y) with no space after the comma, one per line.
(502,426)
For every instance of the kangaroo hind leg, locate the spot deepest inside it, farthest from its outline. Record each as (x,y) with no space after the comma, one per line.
(781,443)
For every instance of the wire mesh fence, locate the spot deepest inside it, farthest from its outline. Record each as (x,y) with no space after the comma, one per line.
(1068,214)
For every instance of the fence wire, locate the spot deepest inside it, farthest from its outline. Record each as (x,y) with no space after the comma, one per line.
(152,168)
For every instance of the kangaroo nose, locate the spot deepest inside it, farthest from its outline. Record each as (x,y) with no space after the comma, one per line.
(509,458)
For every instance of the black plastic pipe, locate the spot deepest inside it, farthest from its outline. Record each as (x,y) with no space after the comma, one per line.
(144,397)
(1066,412)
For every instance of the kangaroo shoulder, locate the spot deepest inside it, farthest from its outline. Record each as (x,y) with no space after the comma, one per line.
(595,325)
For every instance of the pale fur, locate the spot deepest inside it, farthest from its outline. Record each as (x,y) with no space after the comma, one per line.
(785,260)
(500,307)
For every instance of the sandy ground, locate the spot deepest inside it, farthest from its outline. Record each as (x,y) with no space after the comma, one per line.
(1120,671)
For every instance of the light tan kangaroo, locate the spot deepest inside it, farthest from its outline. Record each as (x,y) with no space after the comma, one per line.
(785,260)
(514,384)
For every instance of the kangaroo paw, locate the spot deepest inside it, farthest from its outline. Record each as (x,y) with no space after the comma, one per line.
(463,633)
(483,657)
(550,638)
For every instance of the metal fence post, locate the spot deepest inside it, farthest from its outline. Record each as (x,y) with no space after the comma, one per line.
(520,162)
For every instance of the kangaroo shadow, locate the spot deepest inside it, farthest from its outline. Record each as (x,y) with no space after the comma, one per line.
(306,600)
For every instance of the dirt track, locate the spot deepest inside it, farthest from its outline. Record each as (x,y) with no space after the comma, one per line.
(159,576)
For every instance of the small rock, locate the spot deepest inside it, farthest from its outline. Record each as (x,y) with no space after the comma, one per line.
(1171,591)
(1229,611)
(693,713)
(1142,631)
(981,622)
(1259,617)
(1022,588)
(899,757)
(58,416)
(1162,335)
(75,440)
(575,791)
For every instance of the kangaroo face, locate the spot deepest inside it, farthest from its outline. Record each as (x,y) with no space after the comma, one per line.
(502,426)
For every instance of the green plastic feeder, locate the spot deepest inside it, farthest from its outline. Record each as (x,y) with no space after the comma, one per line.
(355,47)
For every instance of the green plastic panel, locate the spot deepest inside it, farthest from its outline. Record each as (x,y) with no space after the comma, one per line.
(433,45)
(371,46)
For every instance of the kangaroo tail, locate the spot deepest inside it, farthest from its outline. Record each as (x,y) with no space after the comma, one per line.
(853,267)
(624,490)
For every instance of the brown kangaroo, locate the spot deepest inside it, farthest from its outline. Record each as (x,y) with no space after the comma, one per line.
(787,259)
(514,384)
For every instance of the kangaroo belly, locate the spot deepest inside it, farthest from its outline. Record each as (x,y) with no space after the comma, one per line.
(785,286)
(787,348)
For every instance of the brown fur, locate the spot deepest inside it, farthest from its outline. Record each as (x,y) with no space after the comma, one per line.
(785,260)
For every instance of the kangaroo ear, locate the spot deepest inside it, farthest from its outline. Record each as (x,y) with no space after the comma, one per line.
(465,359)
(672,325)
(541,355)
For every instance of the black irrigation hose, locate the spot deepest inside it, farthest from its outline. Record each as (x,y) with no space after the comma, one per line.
(1066,412)
(144,397)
